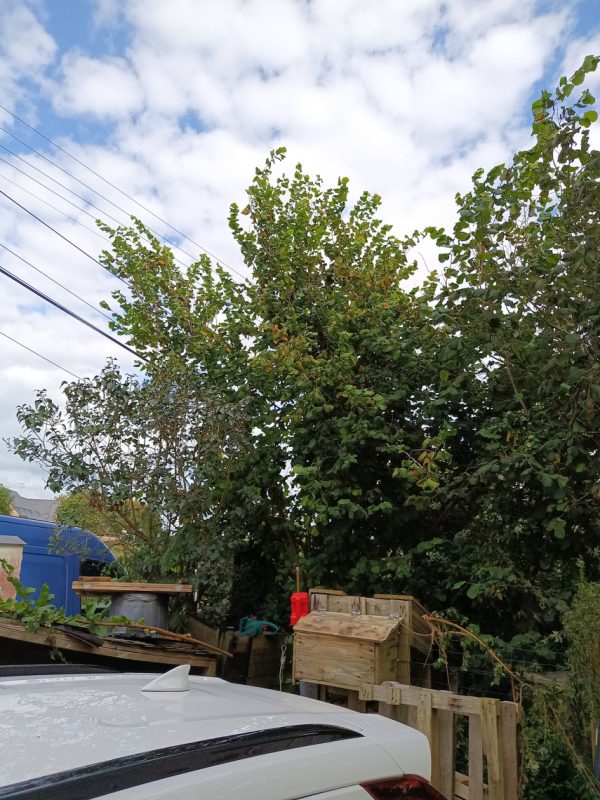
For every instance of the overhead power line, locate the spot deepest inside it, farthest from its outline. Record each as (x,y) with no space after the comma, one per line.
(49,188)
(68,311)
(58,233)
(95,231)
(39,355)
(58,283)
(54,180)
(116,188)
(101,211)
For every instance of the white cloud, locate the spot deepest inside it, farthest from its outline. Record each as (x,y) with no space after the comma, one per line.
(106,88)
(25,50)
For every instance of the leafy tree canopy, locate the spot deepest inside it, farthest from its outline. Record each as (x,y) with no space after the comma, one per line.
(440,440)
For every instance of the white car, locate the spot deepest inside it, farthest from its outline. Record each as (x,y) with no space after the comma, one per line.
(128,735)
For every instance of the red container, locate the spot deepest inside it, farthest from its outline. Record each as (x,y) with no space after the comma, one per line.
(299,602)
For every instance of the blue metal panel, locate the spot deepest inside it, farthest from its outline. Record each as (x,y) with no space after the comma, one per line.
(53,555)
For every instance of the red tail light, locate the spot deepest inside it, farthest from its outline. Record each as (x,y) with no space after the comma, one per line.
(406,787)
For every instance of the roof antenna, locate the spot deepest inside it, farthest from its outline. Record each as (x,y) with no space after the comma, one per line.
(175,680)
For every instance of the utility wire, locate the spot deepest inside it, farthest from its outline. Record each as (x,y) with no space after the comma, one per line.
(68,189)
(58,283)
(66,239)
(68,311)
(62,169)
(121,191)
(48,188)
(95,231)
(54,180)
(39,355)
(87,186)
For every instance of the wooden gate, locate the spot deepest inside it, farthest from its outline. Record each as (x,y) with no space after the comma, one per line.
(492,750)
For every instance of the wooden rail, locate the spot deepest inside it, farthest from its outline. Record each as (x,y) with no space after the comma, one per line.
(493,728)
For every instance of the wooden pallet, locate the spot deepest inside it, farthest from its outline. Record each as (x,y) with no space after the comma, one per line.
(493,732)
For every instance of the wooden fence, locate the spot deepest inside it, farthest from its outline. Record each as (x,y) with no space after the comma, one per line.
(492,772)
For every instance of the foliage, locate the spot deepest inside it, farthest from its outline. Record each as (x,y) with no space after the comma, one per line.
(158,457)
(519,380)
(41,613)
(440,440)
(5,500)
(550,767)
(582,632)
(340,352)
(83,510)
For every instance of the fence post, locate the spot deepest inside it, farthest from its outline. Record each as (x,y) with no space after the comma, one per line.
(475,758)
(425,715)
(491,734)
(509,746)
(443,753)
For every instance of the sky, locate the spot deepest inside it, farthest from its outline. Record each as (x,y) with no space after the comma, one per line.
(175,102)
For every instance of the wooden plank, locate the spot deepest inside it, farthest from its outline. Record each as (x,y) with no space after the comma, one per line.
(340,604)
(444,761)
(355,703)
(344,676)
(386,662)
(509,717)
(491,737)
(84,586)
(200,630)
(425,715)
(403,670)
(317,601)
(461,787)
(407,597)
(409,695)
(475,758)
(347,626)
(411,716)
(376,607)
(10,629)
(320,648)
(322,590)
(332,661)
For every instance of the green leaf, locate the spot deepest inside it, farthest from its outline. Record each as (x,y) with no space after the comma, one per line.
(558,528)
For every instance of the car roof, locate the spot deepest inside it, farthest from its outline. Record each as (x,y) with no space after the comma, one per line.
(50,724)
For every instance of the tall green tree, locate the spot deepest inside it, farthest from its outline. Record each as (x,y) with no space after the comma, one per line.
(157,456)
(342,354)
(519,298)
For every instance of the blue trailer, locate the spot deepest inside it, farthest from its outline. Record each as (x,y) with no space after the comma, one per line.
(56,555)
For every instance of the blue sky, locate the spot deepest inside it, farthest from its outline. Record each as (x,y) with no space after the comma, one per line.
(176,102)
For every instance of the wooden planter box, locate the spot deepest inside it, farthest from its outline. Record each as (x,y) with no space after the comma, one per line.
(345,638)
